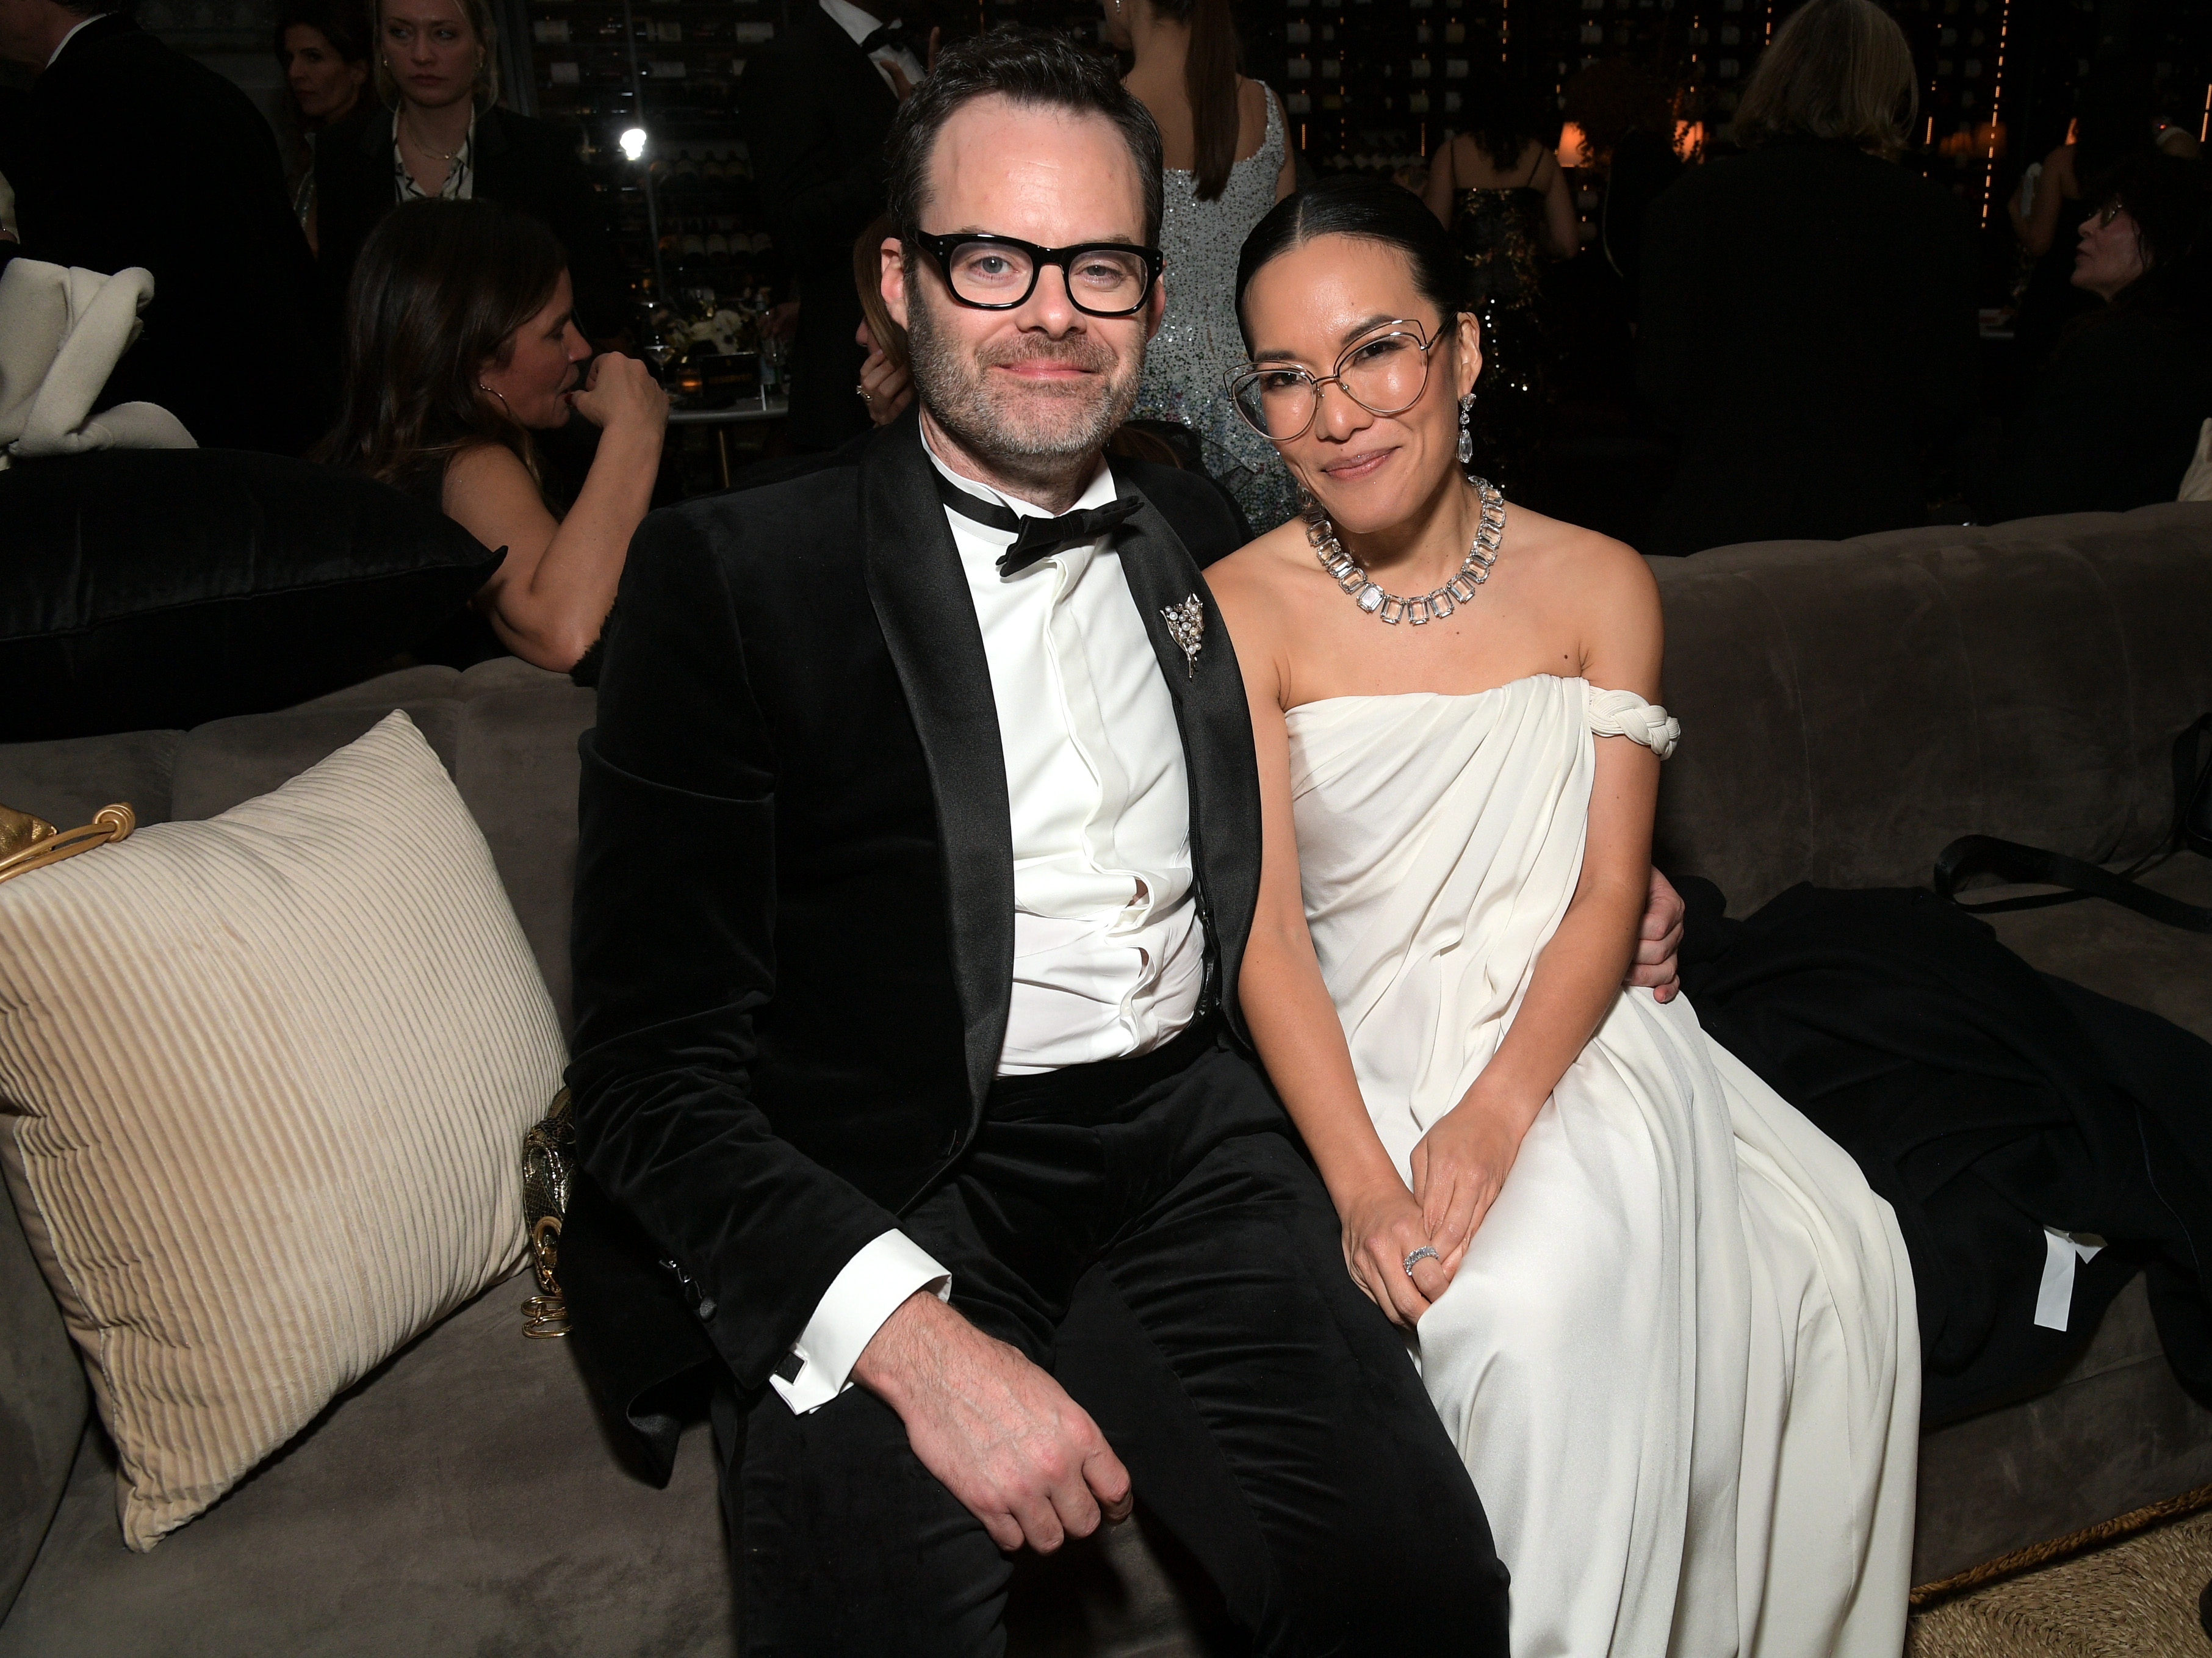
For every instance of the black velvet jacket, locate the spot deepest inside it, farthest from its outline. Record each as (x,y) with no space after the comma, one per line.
(794,923)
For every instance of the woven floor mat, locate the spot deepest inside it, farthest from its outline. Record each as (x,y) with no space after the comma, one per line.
(2136,1599)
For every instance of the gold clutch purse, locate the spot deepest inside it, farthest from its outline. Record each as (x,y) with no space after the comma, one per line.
(549,1157)
(27,843)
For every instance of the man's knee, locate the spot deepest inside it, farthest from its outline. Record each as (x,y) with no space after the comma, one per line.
(844,1543)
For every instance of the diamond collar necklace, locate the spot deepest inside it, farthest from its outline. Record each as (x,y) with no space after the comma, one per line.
(1432,606)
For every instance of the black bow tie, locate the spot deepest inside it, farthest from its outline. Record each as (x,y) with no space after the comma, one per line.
(1035,537)
(897,36)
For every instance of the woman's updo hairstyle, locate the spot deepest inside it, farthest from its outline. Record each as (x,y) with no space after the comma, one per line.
(1374,210)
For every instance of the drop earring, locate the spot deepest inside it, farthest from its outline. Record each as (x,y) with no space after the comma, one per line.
(1466,436)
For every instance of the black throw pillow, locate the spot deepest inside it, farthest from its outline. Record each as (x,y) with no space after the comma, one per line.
(148,588)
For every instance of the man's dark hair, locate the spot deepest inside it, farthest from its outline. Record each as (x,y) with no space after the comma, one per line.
(1026,66)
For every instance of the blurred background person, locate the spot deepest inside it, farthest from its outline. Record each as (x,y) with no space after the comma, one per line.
(1625,114)
(128,152)
(1227,162)
(2112,419)
(1501,193)
(461,348)
(326,65)
(436,132)
(2114,120)
(886,387)
(816,102)
(1806,308)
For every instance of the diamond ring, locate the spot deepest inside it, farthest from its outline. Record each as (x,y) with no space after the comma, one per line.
(1427,1252)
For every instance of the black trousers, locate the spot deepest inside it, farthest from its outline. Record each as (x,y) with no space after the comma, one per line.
(1147,1230)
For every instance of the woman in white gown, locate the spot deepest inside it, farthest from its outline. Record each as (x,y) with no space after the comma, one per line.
(1669,1325)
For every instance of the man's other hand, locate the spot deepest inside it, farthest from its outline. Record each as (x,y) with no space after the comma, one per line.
(1657,967)
(1000,1434)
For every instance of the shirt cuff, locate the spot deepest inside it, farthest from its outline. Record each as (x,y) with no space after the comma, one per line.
(869,1289)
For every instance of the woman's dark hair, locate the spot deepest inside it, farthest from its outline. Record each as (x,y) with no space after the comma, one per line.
(1026,66)
(1614,97)
(440,288)
(2114,118)
(2167,197)
(1209,79)
(1373,210)
(1506,116)
(342,25)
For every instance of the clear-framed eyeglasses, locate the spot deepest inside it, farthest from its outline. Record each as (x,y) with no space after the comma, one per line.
(1384,371)
(989,272)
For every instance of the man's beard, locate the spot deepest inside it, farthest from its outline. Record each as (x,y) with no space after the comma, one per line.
(1022,427)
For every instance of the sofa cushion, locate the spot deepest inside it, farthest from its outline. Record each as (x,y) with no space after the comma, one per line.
(506,732)
(146,588)
(462,1500)
(265,1080)
(1848,709)
(43,1404)
(2115,1434)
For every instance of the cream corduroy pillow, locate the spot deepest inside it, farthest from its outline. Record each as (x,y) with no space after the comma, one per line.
(264,1083)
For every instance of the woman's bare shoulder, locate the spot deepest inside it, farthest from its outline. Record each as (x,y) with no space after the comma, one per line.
(1250,584)
(1582,567)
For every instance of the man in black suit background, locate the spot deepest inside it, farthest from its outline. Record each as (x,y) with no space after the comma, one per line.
(127,153)
(920,843)
(817,106)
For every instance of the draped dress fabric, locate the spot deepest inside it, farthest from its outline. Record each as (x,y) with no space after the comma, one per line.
(1680,1357)
(1200,344)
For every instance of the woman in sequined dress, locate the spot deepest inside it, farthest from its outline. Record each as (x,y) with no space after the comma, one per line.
(1228,162)
(1502,194)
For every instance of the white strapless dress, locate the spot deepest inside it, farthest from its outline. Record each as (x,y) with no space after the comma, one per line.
(1680,1357)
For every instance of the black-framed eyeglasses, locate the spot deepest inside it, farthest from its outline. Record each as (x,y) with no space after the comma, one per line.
(1384,371)
(997,273)
(2110,211)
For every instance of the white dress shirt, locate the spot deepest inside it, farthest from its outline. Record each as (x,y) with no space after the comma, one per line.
(858,24)
(1109,951)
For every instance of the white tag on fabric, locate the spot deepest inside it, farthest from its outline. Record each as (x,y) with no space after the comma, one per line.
(2061,1253)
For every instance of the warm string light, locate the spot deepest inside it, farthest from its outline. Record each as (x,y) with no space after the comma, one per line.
(2205,131)
(1997,113)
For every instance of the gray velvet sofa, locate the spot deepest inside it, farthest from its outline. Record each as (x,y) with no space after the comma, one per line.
(1847,709)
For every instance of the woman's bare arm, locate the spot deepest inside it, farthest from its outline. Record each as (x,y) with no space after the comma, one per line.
(1562,235)
(1440,189)
(1461,1165)
(1293,1021)
(1287,180)
(552,592)
(2040,228)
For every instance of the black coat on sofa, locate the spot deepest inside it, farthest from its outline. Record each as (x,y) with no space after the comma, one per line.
(126,153)
(794,934)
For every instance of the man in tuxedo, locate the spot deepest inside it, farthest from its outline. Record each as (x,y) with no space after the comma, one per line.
(816,105)
(919,843)
(128,153)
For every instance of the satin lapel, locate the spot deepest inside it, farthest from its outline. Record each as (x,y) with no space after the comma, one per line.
(929,621)
(1216,723)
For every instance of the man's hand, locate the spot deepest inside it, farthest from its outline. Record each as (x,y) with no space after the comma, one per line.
(1004,1437)
(1659,942)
